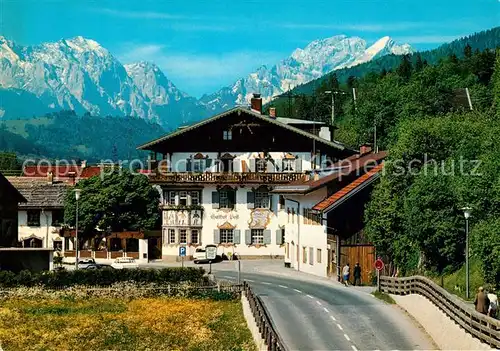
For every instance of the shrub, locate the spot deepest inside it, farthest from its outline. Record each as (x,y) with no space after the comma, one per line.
(102,277)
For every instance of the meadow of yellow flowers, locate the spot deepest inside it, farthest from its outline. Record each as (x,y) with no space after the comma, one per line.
(160,323)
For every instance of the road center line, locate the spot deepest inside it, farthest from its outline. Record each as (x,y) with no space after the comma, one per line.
(347,337)
(309,296)
(297,290)
(333,318)
(249,280)
(326,310)
(319,303)
(354,348)
(283,286)
(266,283)
(340,327)
(228,277)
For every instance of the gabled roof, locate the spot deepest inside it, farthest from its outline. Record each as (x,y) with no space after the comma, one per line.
(39,193)
(239,110)
(343,168)
(62,171)
(349,190)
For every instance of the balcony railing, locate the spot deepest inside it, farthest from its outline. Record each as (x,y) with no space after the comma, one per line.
(230,177)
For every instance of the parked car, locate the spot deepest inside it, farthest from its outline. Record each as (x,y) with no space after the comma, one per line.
(200,255)
(125,262)
(88,263)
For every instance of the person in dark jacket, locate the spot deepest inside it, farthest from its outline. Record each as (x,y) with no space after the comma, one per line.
(481,302)
(357,274)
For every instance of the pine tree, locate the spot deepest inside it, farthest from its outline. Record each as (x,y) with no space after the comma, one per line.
(496,85)
(468,51)
(333,83)
(419,65)
(405,68)
(351,82)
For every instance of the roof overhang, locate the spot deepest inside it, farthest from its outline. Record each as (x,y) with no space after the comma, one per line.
(349,195)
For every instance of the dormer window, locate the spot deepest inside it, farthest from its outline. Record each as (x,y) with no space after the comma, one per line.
(227,135)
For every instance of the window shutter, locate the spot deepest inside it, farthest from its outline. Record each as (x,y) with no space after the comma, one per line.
(252,165)
(208,163)
(250,199)
(188,165)
(270,166)
(278,237)
(298,165)
(267,236)
(248,236)
(244,166)
(177,200)
(215,199)
(216,236)
(270,201)
(236,167)
(237,236)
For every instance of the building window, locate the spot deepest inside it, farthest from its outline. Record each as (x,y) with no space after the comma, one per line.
(318,255)
(283,235)
(183,236)
(257,236)
(183,198)
(57,245)
(260,165)
(227,198)
(194,236)
(195,197)
(288,165)
(311,256)
(171,198)
(227,135)
(304,255)
(226,236)
(197,165)
(310,217)
(261,198)
(33,218)
(57,218)
(171,236)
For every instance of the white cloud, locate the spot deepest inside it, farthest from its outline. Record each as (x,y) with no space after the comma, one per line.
(138,14)
(365,27)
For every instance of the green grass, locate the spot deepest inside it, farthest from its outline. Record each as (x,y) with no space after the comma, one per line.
(384,297)
(455,282)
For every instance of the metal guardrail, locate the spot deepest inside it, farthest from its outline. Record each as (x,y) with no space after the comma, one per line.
(482,327)
(266,327)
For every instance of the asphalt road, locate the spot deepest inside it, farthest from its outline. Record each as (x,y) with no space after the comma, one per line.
(317,316)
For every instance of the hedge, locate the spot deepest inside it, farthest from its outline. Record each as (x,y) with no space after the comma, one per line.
(101,277)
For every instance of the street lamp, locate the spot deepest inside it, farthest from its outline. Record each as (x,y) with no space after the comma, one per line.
(467,213)
(332,93)
(77,197)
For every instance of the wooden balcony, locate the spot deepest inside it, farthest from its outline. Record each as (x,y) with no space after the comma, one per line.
(225,178)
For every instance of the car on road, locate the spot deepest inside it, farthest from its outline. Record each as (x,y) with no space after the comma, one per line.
(125,262)
(200,255)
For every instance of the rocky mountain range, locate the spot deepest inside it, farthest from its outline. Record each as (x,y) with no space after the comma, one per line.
(79,74)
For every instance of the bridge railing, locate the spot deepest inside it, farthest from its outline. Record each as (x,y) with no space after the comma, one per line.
(266,327)
(482,327)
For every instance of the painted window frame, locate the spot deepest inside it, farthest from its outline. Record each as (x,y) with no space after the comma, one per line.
(257,236)
(225,235)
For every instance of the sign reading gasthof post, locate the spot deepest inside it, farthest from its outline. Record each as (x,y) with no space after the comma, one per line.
(211,252)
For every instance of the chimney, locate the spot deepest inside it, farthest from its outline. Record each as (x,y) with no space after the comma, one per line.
(84,164)
(50,177)
(272,112)
(364,149)
(256,103)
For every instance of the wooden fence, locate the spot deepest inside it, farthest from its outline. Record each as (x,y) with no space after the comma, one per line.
(484,328)
(266,328)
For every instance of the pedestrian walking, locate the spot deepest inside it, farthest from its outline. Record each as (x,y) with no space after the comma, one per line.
(493,307)
(345,274)
(357,274)
(481,301)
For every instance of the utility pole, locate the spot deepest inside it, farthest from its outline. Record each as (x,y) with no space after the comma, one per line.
(332,92)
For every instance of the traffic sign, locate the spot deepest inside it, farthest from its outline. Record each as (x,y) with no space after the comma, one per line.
(182,251)
(211,252)
(379,264)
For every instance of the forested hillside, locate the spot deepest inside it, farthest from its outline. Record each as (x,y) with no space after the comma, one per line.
(443,156)
(64,135)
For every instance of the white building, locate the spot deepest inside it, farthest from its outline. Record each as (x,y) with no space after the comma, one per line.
(41,217)
(217,178)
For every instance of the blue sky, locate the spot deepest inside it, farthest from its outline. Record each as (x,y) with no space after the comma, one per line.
(204,45)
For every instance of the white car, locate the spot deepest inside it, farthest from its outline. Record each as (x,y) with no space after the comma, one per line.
(200,255)
(124,262)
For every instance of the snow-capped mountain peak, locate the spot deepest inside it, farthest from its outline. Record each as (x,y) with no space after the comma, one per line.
(313,61)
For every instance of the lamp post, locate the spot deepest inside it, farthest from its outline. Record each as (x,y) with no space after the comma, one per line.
(467,212)
(77,197)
